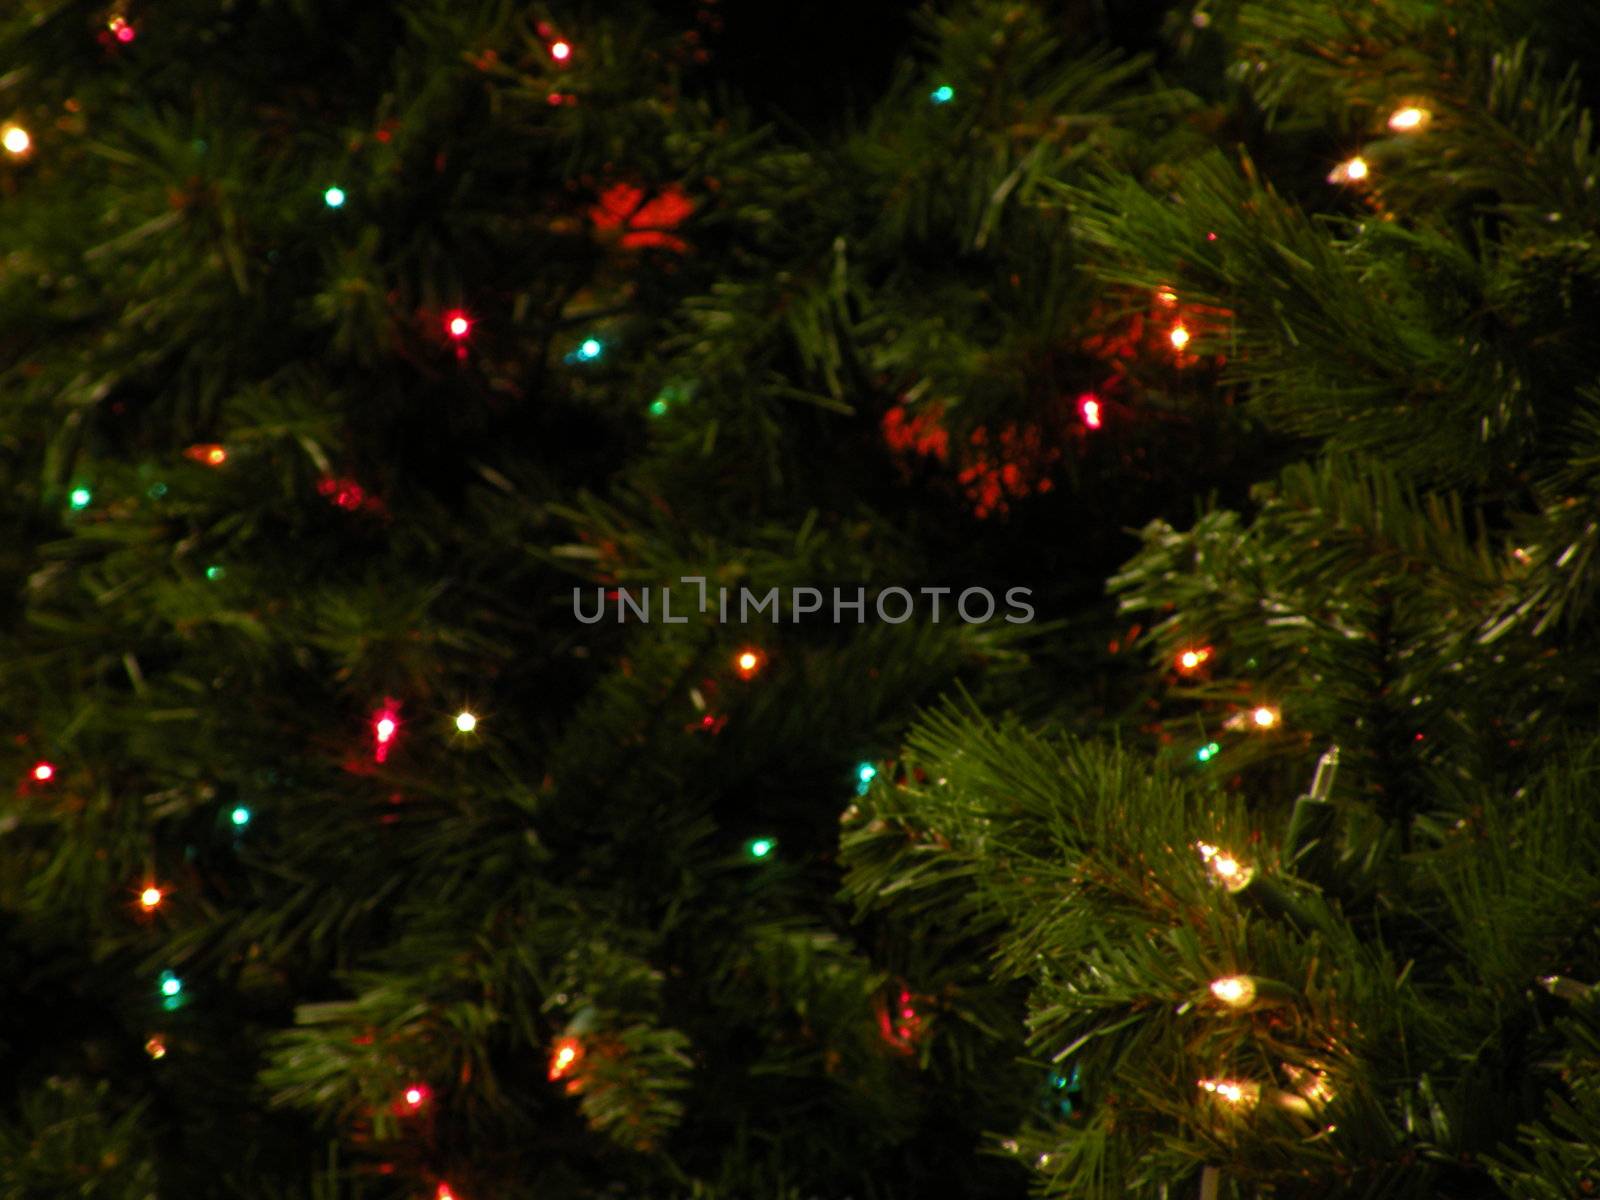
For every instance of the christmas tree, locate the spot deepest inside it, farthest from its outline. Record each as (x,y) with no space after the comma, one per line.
(1323,923)
(557,637)
(396,392)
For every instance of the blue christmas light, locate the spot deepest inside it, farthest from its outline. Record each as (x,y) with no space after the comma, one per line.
(333,197)
(1207,752)
(240,816)
(942,94)
(589,350)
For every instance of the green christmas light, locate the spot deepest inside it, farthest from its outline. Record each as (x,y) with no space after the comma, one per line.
(333,197)
(214,572)
(942,94)
(589,350)
(240,816)
(80,498)
(1207,752)
(658,408)
(760,847)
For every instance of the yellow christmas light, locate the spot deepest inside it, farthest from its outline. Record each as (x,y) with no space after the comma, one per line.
(1230,872)
(466,721)
(1264,717)
(150,898)
(1352,170)
(1179,337)
(1232,1091)
(1409,119)
(1237,991)
(16,140)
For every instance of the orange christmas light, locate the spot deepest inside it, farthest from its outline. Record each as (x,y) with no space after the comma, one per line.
(209,453)
(564,1057)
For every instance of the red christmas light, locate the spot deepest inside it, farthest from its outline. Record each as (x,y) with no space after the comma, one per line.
(1089,409)
(457,324)
(560,51)
(1193,658)
(121,30)
(385,724)
(748,663)
(44,772)
(413,1099)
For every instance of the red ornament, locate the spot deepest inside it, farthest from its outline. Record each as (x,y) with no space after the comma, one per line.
(622,206)
(899,1022)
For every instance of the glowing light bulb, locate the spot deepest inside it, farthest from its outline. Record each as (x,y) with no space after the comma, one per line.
(150,898)
(120,29)
(414,1096)
(1167,296)
(16,140)
(760,847)
(44,772)
(560,51)
(209,453)
(1235,990)
(1232,1091)
(564,1056)
(1409,119)
(748,662)
(1352,170)
(658,408)
(171,985)
(942,94)
(240,816)
(589,349)
(215,572)
(1207,752)
(1264,717)
(334,197)
(1232,874)
(457,324)
(866,772)
(156,1048)
(1179,337)
(1089,409)
(80,498)
(444,1193)
(466,722)
(1193,659)
(385,724)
